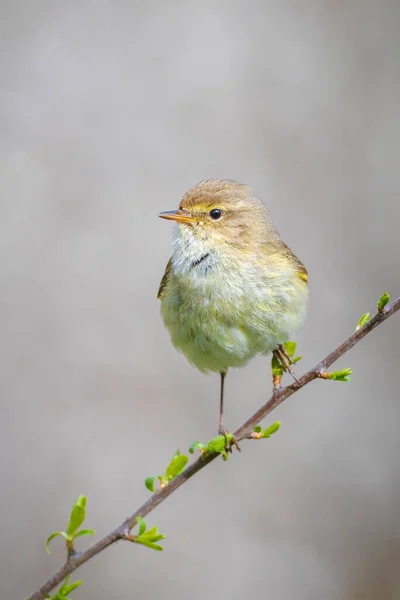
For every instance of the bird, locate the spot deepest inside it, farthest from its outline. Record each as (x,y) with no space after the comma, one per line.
(232,288)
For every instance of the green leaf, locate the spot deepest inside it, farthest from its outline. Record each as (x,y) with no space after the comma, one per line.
(177,453)
(296,359)
(218,443)
(61,592)
(73,586)
(77,516)
(150,545)
(152,535)
(155,538)
(52,536)
(176,466)
(257,429)
(383,301)
(290,348)
(84,532)
(271,429)
(67,587)
(64,585)
(197,445)
(147,538)
(343,375)
(149,532)
(149,483)
(276,367)
(142,525)
(363,320)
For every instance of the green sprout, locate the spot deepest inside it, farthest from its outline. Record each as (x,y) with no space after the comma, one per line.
(383,300)
(65,589)
(149,537)
(363,320)
(219,444)
(76,518)
(259,433)
(343,375)
(197,445)
(175,468)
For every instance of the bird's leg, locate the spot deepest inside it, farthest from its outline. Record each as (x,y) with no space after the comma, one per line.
(285,361)
(221,427)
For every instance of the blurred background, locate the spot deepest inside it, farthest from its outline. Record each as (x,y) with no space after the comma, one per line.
(109,113)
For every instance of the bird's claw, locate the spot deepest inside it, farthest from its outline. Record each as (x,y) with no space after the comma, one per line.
(228,442)
(285,361)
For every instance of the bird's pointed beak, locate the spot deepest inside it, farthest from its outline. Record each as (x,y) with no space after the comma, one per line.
(177,215)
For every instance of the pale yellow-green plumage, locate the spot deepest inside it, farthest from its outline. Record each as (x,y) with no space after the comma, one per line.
(232,289)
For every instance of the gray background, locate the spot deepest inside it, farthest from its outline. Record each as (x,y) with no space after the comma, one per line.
(109,112)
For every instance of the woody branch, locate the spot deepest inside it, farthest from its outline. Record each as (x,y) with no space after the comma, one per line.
(122,531)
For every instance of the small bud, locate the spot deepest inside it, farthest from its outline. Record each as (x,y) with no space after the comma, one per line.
(363,321)
(146,538)
(343,375)
(176,466)
(259,434)
(383,301)
(149,483)
(77,516)
(271,429)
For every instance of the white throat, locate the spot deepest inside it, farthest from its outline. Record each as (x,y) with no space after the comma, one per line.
(188,249)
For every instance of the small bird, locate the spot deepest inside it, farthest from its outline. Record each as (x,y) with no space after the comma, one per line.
(232,288)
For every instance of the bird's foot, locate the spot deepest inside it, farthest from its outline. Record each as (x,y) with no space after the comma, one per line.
(285,361)
(229,442)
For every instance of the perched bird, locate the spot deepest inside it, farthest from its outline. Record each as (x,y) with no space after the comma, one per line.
(232,288)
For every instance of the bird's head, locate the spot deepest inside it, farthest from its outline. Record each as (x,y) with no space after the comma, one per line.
(222,211)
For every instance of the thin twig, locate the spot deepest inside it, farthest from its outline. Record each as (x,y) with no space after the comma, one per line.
(243,432)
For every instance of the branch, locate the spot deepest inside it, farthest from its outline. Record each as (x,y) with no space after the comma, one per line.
(122,531)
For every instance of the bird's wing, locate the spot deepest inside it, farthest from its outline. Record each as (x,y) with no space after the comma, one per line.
(301,270)
(164,279)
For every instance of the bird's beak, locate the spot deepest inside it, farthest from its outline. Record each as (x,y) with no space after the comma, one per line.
(177,215)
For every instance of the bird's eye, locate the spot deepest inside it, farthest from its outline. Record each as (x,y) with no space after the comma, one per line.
(215,214)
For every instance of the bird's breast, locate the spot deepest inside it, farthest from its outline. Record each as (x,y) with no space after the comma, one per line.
(221,312)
